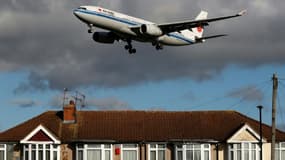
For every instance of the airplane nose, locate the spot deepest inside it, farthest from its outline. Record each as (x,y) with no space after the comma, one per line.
(77,14)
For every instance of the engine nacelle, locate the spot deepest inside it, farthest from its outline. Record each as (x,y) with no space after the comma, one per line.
(104,37)
(151,30)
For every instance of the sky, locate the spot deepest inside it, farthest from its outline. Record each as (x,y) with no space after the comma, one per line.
(44,48)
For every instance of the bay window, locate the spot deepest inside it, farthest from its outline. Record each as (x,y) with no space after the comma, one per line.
(193,151)
(244,151)
(130,152)
(157,151)
(41,152)
(93,151)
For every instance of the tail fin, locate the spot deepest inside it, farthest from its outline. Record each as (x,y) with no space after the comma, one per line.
(198,31)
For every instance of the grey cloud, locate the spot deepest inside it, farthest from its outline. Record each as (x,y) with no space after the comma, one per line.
(34,83)
(58,52)
(25,103)
(109,103)
(248,93)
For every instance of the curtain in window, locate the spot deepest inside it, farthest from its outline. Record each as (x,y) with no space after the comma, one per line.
(130,155)
(1,155)
(283,154)
(93,155)
(179,155)
(206,155)
(80,155)
(107,155)
(197,155)
(189,155)
(161,155)
(152,155)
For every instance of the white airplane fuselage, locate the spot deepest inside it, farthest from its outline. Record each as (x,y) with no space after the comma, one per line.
(120,24)
(127,28)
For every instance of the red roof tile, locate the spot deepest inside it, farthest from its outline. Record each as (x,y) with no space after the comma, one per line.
(135,126)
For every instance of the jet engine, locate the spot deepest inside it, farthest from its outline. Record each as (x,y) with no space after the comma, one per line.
(104,37)
(151,30)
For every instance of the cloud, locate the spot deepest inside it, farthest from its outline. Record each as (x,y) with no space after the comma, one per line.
(248,93)
(34,83)
(46,40)
(109,103)
(25,103)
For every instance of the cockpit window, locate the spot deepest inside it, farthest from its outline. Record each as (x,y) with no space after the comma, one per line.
(82,8)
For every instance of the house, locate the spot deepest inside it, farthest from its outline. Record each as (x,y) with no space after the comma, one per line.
(138,135)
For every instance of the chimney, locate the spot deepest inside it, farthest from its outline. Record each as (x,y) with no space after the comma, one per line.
(69,113)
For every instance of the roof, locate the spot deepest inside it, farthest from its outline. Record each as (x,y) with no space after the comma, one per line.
(139,126)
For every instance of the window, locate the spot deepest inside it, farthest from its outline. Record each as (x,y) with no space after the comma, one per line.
(93,151)
(244,151)
(157,151)
(2,151)
(130,152)
(280,151)
(193,151)
(41,152)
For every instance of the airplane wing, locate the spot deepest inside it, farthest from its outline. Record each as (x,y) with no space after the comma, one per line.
(177,26)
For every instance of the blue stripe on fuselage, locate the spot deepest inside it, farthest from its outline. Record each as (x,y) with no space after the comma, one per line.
(174,35)
(107,16)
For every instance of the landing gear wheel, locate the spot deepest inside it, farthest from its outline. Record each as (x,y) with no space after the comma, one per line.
(159,47)
(132,51)
(127,47)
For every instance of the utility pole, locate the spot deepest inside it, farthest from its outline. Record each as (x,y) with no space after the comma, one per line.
(274,96)
(260,131)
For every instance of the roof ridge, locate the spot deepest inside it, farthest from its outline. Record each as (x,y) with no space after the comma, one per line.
(27,121)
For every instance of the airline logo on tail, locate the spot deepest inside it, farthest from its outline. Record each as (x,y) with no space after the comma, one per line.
(198,31)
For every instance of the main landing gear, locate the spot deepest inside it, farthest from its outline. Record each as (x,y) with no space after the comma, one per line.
(129,47)
(158,46)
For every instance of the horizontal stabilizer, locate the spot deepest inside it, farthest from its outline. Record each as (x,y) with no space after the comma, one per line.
(202,39)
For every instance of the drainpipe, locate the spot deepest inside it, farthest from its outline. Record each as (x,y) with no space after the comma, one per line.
(217,151)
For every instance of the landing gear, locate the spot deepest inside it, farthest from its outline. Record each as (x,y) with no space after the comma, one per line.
(130,47)
(91,28)
(157,45)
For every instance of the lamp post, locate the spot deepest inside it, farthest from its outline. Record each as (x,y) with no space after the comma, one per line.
(260,130)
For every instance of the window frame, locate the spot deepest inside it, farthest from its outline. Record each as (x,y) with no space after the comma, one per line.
(86,147)
(184,150)
(53,148)
(136,148)
(156,149)
(233,147)
(4,149)
(279,147)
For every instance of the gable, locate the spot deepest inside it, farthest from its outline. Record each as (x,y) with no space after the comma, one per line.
(245,134)
(40,134)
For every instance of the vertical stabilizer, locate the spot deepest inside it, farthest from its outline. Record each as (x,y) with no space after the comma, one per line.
(198,31)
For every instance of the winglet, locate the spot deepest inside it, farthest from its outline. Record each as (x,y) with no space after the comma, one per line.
(241,13)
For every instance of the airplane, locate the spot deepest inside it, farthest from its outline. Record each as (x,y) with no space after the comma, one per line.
(122,27)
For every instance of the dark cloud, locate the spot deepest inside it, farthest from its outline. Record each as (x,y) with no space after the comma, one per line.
(248,93)
(45,39)
(25,103)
